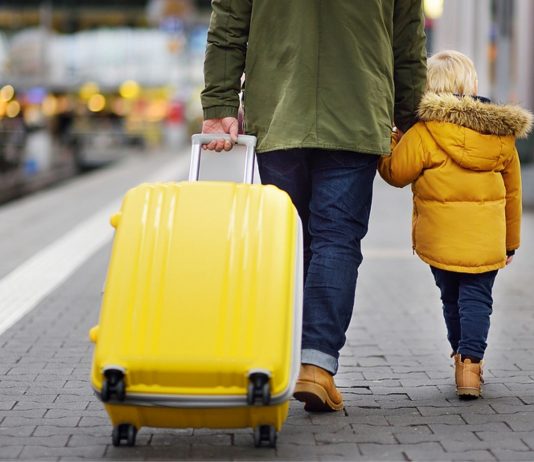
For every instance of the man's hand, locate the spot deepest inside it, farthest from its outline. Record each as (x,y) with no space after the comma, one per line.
(509,259)
(227,125)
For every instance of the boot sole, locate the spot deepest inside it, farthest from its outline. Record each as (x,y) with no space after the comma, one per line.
(316,398)
(468,393)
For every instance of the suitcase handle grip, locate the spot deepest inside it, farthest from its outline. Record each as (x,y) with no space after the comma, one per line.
(203,138)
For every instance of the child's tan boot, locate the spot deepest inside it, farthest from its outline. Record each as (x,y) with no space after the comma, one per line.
(468,377)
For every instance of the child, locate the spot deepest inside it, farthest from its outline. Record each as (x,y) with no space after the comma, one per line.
(464,169)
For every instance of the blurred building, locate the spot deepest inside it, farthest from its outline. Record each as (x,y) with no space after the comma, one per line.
(86,82)
(499,36)
(74,15)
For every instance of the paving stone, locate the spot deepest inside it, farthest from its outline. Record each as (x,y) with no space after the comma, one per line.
(16,431)
(57,441)
(45,388)
(31,405)
(425,452)
(483,409)
(384,411)
(93,421)
(519,421)
(346,451)
(527,399)
(486,427)
(26,413)
(485,456)
(507,455)
(42,452)
(342,435)
(422,451)
(425,420)
(66,398)
(50,430)
(60,412)
(355,417)
(10,391)
(423,434)
(503,436)
(527,438)
(25,370)
(10,421)
(372,434)
(501,408)
(461,446)
(10,452)
(7,405)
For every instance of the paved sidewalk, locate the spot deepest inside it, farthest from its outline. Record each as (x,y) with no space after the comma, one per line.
(396,376)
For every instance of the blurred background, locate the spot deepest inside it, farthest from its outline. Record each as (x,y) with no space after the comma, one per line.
(87,82)
(499,37)
(84,83)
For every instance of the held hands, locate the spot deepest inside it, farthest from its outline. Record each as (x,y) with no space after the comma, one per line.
(396,134)
(228,125)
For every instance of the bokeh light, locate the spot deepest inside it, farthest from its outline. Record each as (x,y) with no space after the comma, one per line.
(7,93)
(13,109)
(50,105)
(96,103)
(88,89)
(433,8)
(130,89)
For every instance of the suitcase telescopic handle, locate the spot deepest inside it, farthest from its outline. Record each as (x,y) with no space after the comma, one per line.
(199,139)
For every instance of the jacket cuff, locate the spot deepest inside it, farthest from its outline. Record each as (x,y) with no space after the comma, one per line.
(509,253)
(219,112)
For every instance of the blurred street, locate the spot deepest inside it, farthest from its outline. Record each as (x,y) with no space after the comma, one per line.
(396,376)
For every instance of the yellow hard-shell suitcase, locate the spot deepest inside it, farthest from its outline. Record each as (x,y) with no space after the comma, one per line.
(200,322)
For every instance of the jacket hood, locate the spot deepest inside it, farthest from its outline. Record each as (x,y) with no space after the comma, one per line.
(475,134)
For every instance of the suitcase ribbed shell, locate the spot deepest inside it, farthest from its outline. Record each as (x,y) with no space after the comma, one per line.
(202,288)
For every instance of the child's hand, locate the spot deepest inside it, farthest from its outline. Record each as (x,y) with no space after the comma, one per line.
(509,259)
(396,135)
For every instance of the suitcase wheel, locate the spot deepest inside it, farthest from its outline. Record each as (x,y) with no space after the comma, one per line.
(265,433)
(258,388)
(123,432)
(113,385)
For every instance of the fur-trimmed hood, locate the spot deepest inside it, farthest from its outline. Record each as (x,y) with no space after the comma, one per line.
(485,118)
(476,134)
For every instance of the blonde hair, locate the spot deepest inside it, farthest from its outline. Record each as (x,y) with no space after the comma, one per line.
(450,71)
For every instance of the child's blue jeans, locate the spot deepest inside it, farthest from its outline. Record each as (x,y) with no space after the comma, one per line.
(467,306)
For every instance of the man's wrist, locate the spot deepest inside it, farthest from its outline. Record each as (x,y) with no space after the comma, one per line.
(509,253)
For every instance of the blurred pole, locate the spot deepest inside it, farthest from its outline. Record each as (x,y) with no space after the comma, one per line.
(466,26)
(45,20)
(524,44)
(505,59)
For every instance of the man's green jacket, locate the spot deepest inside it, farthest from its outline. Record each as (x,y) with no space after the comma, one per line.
(331,74)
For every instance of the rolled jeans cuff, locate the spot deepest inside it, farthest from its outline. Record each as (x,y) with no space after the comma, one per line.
(318,358)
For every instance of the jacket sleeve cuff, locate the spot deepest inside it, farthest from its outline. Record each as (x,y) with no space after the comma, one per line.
(219,112)
(509,253)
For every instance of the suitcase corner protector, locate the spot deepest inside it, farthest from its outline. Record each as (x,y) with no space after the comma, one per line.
(115,219)
(93,333)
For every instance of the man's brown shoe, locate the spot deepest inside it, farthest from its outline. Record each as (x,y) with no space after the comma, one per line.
(468,377)
(317,389)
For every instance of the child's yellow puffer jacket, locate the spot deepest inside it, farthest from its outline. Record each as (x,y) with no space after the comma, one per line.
(462,161)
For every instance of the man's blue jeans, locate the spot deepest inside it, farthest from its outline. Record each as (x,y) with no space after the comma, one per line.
(467,306)
(332,191)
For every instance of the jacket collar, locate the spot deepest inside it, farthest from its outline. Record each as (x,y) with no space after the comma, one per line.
(474,113)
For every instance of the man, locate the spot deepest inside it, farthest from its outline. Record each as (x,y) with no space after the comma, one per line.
(325,79)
